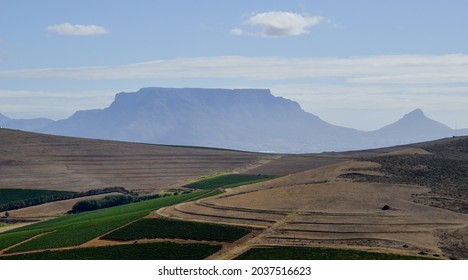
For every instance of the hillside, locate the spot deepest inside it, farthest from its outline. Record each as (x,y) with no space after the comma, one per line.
(40,161)
(37,161)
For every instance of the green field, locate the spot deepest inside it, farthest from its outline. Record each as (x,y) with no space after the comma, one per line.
(163,228)
(228,181)
(147,251)
(205,194)
(9,195)
(72,230)
(297,253)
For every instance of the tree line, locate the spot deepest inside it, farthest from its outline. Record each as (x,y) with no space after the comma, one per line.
(17,204)
(110,201)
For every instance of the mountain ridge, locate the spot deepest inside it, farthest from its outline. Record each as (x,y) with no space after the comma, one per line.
(240,119)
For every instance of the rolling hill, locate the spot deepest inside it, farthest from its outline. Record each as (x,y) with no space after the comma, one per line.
(38,161)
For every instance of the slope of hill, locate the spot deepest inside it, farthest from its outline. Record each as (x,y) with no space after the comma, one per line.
(37,161)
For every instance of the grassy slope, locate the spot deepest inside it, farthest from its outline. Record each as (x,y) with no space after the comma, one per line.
(162,228)
(9,195)
(76,229)
(228,181)
(297,253)
(148,251)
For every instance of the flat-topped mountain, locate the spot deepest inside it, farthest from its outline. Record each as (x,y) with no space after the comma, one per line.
(243,119)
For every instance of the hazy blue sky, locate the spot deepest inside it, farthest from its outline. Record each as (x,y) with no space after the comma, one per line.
(357,63)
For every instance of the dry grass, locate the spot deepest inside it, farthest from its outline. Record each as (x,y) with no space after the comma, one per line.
(38,161)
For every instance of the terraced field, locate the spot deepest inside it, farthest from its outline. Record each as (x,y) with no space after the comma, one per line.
(321,208)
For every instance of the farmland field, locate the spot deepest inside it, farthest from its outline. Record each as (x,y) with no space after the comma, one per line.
(334,200)
(146,251)
(163,228)
(9,195)
(228,181)
(77,229)
(297,253)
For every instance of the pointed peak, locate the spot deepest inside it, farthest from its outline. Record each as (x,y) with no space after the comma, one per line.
(415,113)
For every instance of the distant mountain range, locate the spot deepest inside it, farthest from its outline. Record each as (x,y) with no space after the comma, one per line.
(243,119)
(24,124)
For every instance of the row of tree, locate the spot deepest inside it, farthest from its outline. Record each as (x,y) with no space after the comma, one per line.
(12,205)
(109,201)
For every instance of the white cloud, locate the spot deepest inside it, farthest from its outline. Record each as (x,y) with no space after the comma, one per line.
(396,69)
(69,29)
(279,24)
(237,31)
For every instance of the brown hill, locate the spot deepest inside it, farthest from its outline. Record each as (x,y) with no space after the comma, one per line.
(38,161)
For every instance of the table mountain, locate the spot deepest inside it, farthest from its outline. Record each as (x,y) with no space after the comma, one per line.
(243,119)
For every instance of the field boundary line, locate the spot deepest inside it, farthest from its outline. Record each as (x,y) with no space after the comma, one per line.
(2,252)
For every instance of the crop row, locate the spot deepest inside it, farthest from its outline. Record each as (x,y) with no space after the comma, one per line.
(146,251)
(72,230)
(163,228)
(301,253)
(228,181)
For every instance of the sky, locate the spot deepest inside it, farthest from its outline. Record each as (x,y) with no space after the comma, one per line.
(360,64)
